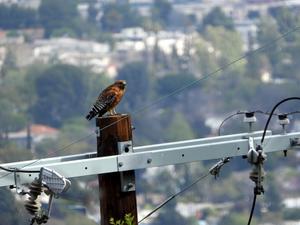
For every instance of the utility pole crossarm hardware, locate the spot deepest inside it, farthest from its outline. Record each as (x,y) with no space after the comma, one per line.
(152,156)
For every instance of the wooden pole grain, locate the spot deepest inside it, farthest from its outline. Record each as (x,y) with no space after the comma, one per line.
(113,202)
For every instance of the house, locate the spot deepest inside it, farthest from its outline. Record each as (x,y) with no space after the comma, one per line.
(30,136)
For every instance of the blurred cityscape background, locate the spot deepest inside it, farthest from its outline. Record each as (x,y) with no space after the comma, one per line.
(56,56)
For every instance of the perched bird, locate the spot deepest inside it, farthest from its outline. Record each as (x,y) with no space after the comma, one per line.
(108,100)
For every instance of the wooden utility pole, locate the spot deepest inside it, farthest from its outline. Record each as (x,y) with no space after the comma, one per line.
(114,203)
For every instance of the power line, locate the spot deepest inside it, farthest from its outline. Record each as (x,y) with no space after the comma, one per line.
(272,112)
(174,196)
(252,208)
(263,47)
(214,170)
(35,161)
(18,170)
(227,118)
(184,87)
(244,112)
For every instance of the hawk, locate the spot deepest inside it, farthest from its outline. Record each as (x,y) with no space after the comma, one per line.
(108,100)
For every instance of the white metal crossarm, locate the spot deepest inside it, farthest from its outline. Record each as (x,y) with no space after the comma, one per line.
(89,155)
(151,156)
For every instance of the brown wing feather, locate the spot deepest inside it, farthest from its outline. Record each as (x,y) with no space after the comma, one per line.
(106,101)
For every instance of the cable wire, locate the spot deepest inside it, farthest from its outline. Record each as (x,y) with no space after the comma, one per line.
(263,47)
(37,160)
(252,208)
(243,113)
(173,196)
(272,112)
(227,118)
(18,170)
(185,86)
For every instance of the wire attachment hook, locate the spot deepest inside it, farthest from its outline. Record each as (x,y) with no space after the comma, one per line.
(215,169)
(256,157)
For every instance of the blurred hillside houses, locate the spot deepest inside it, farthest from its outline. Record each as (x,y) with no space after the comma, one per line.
(130,45)
(34,134)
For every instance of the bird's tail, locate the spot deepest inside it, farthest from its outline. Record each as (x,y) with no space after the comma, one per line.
(91,115)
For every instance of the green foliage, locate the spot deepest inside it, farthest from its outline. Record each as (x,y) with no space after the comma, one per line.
(56,14)
(286,20)
(139,85)
(10,120)
(10,152)
(61,93)
(78,220)
(213,53)
(235,219)
(169,215)
(128,220)
(71,130)
(13,102)
(9,63)
(229,50)
(273,195)
(291,214)
(178,129)
(119,15)
(15,17)
(161,11)
(268,31)
(9,210)
(217,18)
(172,82)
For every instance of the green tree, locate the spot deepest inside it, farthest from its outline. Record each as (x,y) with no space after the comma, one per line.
(15,17)
(56,14)
(268,31)
(78,220)
(61,93)
(206,57)
(217,18)
(171,83)
(273,195)
(161,11)
(9,63)
(287,20)
(9,210)
(119,15)
(179,129)
(228,50)
(213,53)
(10,120)
(138,85)
(256,62)
(234,219)
(169,215)
(291,63)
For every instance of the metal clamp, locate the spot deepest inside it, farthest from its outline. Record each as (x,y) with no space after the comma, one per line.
(215,169)
(127,178)
(256,157)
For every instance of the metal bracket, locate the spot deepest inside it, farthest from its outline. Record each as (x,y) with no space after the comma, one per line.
(215,169)
(252,155)
(256,157)
(17,179)
(125,147)
(295,142)
(127,177)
